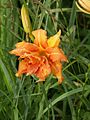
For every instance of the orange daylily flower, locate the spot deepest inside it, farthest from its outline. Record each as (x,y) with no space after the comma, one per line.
(41,57)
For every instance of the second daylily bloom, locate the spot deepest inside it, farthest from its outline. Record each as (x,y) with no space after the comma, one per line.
(83,5)
(41,57)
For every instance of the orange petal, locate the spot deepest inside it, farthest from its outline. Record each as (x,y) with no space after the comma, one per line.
(28,66)
(22,67)
(18,51)
(30,55)
(27,46)
(62,56)
(20,44)
(40,38)
(24,47)
(55,54)
(56,68)
(44,70)
(54,40)
(33,66)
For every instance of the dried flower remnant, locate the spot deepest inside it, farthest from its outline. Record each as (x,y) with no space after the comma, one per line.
(41,57)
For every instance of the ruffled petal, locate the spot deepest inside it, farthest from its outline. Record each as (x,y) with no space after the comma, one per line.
(20,44)
(63,58)
(55,54)
(56,68)
(33,65)
(22,69)
(44,69)
(28,66)
(24,48)
(54,40)
(40,38)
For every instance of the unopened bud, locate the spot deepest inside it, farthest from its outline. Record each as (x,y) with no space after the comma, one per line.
(26,20)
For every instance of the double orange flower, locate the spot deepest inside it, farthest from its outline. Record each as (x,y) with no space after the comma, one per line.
(41,57)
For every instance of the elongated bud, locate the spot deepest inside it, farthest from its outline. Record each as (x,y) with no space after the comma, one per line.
(54,40)
(25,19)
(84,5)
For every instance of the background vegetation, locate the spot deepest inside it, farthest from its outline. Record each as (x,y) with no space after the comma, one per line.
(24,99)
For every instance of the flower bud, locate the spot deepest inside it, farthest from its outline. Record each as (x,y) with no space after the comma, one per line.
(26,20)
(84,5)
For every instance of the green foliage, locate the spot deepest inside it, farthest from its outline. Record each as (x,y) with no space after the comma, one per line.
(23,98)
